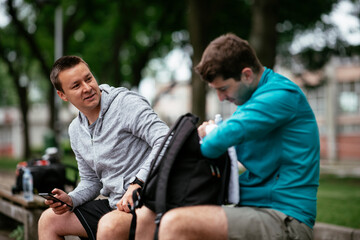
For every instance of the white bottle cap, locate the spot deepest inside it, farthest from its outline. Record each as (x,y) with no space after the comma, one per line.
(218,119)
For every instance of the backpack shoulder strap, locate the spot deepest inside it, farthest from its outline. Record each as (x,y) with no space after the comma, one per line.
(167,137)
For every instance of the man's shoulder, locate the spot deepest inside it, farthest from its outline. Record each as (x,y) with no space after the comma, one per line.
(278,82)
(130,100)
(75,124)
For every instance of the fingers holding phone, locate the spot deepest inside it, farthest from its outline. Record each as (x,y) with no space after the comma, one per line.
(58,200)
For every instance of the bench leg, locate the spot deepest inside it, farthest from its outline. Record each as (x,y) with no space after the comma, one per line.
(30,221)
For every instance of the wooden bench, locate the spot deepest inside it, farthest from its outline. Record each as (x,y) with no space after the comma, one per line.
(28,213)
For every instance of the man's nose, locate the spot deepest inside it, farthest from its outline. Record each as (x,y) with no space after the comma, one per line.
(221,96)
(86,87)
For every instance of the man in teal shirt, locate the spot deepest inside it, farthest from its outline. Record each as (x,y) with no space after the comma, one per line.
(276,138)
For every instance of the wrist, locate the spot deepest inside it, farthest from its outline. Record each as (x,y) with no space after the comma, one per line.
(135,180)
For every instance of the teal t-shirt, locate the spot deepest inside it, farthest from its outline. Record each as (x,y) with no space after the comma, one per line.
(277,140)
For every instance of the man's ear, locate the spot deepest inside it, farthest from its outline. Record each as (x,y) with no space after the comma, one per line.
(62,95)
(248,75)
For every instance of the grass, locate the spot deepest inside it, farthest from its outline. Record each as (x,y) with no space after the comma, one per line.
(339,201)
(8,164)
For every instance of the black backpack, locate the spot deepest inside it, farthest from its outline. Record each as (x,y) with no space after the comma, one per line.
(48,173)
(181,176)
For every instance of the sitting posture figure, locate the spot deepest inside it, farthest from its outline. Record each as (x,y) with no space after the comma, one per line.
(115,138)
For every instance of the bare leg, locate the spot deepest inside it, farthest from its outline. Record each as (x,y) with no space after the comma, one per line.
(116,225)
(52,226)
(145,228)
(197,222)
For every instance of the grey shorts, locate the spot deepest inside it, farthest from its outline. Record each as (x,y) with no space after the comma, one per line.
(263,223)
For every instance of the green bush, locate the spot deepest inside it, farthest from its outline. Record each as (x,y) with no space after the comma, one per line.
(18,233)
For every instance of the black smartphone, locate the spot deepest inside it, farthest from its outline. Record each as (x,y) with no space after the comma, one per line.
(50,196)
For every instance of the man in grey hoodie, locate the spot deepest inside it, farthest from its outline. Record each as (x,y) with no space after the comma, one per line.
(115,138)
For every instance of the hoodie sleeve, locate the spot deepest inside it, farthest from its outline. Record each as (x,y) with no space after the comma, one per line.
(144,123)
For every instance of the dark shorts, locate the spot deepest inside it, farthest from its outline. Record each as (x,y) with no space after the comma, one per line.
(90,213)
(263,223)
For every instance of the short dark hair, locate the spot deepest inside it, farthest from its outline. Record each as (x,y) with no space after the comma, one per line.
(227,56)
(62,64)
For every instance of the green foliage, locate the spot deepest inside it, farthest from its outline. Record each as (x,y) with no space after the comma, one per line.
(118,38)
(66,148)
(7,90)
(338,201)
(72,172)
(309,16)
(18,233)
(305,14)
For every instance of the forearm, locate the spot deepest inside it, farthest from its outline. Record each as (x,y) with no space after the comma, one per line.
(85,191)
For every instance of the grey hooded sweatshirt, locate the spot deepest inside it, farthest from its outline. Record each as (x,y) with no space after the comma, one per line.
(120,144)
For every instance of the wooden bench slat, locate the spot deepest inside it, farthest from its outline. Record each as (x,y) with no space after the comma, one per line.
(18,199)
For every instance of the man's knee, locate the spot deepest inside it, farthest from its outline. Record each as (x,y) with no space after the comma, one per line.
(106,224)
(114,225)
(48,225)
(171,223)
(197,222)
(46,220)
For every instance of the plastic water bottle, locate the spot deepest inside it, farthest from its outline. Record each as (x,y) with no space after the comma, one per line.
(210,127)
(27,182)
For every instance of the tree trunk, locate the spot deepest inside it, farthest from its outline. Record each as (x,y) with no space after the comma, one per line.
(36,51)
(263,35)
(196,26)
(24,106)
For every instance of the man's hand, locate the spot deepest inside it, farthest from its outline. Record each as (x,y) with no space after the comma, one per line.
(57,207)
(126,201)
(202,128)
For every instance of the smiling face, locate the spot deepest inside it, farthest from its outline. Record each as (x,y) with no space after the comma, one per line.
(81,89)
